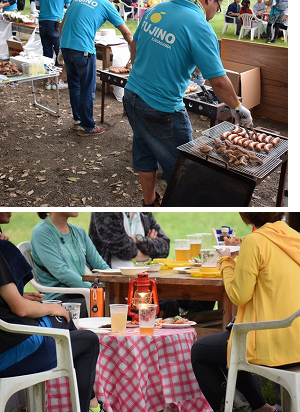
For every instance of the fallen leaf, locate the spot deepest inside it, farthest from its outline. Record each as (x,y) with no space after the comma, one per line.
(30,192)
(73,179)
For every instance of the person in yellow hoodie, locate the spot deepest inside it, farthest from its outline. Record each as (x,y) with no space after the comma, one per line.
(264,282)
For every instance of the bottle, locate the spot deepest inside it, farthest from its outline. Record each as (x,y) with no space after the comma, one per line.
(224,233)
(96,299)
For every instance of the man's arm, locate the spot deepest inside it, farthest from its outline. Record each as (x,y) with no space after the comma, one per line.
(126,33)
(224,90)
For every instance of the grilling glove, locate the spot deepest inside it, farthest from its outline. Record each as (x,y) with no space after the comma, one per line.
(242,115)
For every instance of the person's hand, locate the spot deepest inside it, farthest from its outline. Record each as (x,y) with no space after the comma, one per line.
(55,309)
(152,234)
(242,115)
(227,252)
(36,297)
(3,236)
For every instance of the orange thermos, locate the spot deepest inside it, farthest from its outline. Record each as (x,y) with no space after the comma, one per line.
(96,299)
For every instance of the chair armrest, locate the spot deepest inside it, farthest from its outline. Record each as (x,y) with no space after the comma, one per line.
(272,324)
(230,17)
(53,289)
(33,330)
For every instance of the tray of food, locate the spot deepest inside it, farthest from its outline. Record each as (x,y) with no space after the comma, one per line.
(177,322)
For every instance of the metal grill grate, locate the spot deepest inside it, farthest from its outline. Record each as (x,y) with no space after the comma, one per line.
(259,171)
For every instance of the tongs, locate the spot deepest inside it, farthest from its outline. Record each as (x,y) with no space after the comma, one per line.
(128,64)
(207,93)
(252,129)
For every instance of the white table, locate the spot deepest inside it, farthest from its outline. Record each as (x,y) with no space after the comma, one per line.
(25,78)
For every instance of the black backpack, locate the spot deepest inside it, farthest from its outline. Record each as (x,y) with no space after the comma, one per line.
(20,4)
(281,5)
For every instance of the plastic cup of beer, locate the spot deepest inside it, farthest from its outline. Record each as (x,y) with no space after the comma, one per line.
(118,314)
(182,249)
(74,311)
(195,244)
(147,313)
(207,240)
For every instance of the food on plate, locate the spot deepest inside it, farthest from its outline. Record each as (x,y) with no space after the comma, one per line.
(120,70)
(7,68)
(206,149)
(176,320)
(105,326)
(132,322)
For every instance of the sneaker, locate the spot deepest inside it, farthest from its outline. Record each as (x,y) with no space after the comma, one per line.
(273,41)
(61,85)
(48,86)
(156,203)
(268,41)
(76,125)
(95,130)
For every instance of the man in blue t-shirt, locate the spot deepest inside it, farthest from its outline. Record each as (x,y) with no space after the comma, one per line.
(234,11)
(50,17)
(82,20)
(171,40)
(8,5)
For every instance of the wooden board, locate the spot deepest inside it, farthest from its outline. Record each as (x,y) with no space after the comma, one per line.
(273,63)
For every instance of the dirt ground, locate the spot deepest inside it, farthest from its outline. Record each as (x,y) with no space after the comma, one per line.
(44,163)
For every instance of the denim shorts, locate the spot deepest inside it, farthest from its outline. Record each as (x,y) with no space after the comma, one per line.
(156,134)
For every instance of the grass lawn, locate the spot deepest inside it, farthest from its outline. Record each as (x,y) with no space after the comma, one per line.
(217,23)
(175,224)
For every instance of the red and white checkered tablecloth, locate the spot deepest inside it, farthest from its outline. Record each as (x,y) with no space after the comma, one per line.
(140,373)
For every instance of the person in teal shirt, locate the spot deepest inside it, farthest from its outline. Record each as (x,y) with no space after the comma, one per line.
(50,17)
(82,20)
(9,5)
(62,254)
(276,18)
(171,40)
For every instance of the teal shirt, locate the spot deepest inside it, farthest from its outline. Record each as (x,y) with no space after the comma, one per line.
(52,10)
(172,38)
(82,20)
(66,266)
(12,7)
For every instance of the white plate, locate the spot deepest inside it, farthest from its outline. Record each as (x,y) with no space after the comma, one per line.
(95,324)
(231,248)
(178,325)
(183,269)
(108,271)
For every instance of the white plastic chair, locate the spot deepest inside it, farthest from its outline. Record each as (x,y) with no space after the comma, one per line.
(226,24)
(287,377)
(124,14)
(35,382)
(285,34)
(249,22)
(25,249)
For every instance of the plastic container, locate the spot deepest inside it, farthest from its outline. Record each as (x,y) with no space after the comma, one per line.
(27,68)
(203,272)
(209,258)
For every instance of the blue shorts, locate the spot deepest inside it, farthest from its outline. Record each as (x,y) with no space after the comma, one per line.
(156,134)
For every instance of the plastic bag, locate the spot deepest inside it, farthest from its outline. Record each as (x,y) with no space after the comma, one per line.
(121,56)
(34,45)
(5,35)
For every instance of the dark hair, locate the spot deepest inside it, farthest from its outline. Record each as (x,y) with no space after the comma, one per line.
(245,3)
(294,220)
(259,219)
(42,215)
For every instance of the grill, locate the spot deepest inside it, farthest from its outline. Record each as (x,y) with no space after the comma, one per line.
(207,180)
(258,171)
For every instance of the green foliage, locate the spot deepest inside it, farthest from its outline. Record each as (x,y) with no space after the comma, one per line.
(217,24)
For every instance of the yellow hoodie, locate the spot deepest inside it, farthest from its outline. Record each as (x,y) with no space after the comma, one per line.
(265,285)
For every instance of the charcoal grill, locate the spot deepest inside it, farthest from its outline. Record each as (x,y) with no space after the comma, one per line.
(194,102)
(200,179)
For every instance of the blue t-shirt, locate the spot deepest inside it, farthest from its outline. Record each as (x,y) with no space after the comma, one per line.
(233,8)
(52,10)
(83,19)
(172,38)
(9,8)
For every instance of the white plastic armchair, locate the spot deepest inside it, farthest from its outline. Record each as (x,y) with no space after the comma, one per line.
(226,23)
(287,377)
(124,14)
(35,382)
(250,23)
(25,249)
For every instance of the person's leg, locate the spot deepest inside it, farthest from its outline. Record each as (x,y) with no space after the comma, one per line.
(46,28)
(276,32)
(148,183)
(269,27)
(209,356)
(73,81)
(85,349)
(169,307)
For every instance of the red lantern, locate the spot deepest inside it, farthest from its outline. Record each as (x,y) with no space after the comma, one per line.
(140,293)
